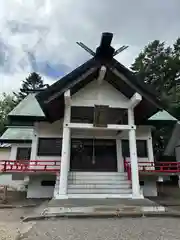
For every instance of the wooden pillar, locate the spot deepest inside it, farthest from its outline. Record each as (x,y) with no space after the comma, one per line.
(150,150)
(65,153)
(13,152)
(133,156)
(64,163)
(120,160)
(34,144)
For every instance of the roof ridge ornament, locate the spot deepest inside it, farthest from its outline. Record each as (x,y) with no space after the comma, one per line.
(105,50)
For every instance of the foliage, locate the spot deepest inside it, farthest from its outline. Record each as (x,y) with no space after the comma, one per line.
(158,66)
(6,105)
(32,82)
(8,102)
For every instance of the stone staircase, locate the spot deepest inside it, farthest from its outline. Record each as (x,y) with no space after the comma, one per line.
(98,185)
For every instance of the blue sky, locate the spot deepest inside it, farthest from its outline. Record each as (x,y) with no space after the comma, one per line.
(41,35)
(47,68)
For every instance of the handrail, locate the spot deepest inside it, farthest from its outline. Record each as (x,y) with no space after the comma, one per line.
(30,165)
(54,166)
(127,166)
(168,167)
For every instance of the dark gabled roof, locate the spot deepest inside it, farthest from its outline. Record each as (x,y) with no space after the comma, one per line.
(52,99)
(47,99)
(48,105)
(67,79)
(146,89)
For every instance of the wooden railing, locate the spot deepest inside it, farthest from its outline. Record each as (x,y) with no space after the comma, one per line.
(127,167)
(153,167)
(29,166)
(54,166)
(168,167)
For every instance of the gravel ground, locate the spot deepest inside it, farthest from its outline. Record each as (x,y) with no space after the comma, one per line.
(106,229)
(11,227)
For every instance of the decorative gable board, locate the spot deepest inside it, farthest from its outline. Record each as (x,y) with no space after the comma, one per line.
(105,94)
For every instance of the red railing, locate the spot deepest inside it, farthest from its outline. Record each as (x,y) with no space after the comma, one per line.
(29,166)
(54,166)
(166,167)
(153,167)
(127,167)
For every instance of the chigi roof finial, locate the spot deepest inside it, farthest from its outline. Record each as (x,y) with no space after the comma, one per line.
(105,50)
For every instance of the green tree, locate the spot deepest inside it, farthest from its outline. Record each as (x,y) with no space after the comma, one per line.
(7,103)
(32,82)
(158,66)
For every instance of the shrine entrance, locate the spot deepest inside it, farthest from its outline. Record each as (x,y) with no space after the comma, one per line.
(93,155)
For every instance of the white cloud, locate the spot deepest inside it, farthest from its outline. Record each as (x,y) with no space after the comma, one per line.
(11,83)
(50,29)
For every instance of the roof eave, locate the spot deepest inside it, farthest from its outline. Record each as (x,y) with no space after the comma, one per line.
(42,96)
(15,140)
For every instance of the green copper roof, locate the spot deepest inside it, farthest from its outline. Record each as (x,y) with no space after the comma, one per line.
(28,107)
(17,134)
(162,116)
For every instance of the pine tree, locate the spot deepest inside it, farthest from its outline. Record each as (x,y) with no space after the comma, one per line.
(32,82)
(158,66)
(7,103)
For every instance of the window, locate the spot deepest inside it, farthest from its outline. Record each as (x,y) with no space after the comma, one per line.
(48,183)
(49,147)
(141,183)
(82,114)
(23,153)
(125,148)
(141,148)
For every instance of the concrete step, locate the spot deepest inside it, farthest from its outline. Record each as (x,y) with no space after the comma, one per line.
(94,174)
(99,181)
(99,196)
(97,174)
(97,178)
(98,186)
(99,191)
